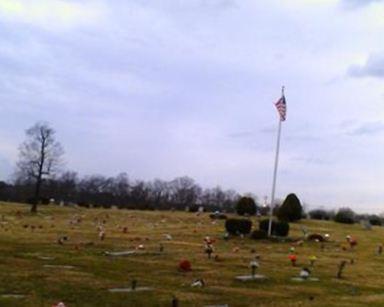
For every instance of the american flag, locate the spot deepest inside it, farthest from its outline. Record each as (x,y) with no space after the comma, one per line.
(281,107)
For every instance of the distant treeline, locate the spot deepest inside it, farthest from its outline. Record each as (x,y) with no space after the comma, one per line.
(345,215)
(120,191)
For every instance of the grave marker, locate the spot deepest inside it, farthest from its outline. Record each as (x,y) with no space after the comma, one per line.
(253,264)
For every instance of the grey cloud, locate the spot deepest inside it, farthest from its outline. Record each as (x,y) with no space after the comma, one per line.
(367,129)
(374,67)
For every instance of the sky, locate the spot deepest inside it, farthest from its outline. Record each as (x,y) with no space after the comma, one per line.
(161,89)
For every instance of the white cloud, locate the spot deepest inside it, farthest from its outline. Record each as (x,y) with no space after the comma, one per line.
(51,14)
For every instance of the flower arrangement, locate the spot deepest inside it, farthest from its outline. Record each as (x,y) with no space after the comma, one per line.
(185,265)
(293,259)
(312,259)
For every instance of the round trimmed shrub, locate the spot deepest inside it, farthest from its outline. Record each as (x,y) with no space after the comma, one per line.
(259,235)
(279,228)
(291,209)
(238,226)
(321,214)
(345,216)
(375,220)
(246,205)
(193,208)
(282,229)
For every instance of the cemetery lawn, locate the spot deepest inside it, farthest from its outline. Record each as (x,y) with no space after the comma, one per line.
(31,261)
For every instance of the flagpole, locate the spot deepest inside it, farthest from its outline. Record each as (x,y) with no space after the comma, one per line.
(275,173)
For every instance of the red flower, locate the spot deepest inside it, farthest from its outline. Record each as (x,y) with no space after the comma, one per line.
(185,265)
(292,257)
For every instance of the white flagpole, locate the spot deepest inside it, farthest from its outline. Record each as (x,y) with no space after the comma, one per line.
(275,174)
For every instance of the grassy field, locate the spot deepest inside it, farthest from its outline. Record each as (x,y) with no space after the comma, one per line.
(29,254)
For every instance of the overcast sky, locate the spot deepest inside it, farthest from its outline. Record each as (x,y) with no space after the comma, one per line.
(161,89)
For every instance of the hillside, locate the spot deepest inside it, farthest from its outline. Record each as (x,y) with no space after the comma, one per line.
(77,272)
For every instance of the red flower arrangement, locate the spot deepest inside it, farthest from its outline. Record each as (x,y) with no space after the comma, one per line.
(185,266)
(293,259)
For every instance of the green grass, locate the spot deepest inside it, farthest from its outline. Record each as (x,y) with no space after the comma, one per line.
(22,270)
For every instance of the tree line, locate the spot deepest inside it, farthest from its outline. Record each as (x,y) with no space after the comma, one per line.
(120,191)
(39,178)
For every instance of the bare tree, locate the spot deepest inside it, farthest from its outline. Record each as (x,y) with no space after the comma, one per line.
(39,157)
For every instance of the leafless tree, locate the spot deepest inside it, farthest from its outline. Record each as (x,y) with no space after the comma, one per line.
(39,157)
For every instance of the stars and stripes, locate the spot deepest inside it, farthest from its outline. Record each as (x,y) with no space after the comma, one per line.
(281,107)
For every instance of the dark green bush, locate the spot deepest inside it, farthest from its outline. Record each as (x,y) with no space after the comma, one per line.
(246,205)
(279,228)
(238,226)
(282,229)
(83,204)
(345,216)
(375,220)
(321,214)
(259,235)
(291,209)
(193,208)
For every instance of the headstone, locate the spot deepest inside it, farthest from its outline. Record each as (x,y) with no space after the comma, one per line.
(17,296)
(198,283)
(57,266)
(366,224)
(256,277)
(304,275)
(125,290)
(253,277)
(120,254)
(46,258)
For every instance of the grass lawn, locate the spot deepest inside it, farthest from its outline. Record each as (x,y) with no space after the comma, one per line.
(30,260)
